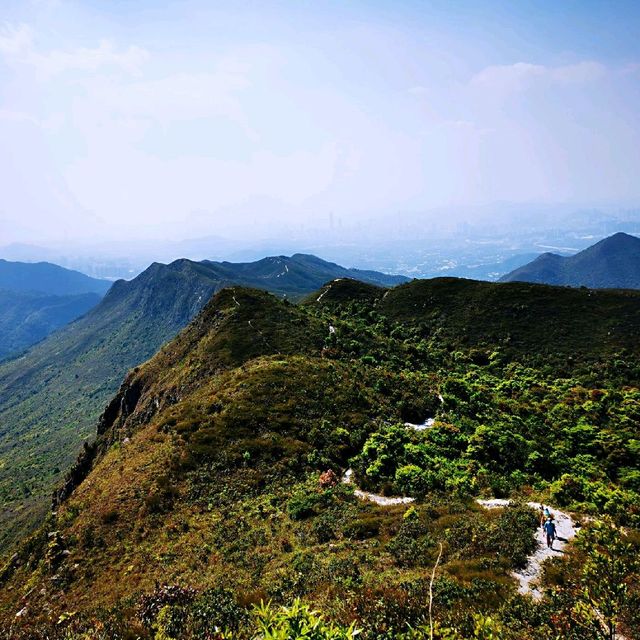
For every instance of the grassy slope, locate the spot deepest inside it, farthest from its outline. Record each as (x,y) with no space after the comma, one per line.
(51,397)
(202,475)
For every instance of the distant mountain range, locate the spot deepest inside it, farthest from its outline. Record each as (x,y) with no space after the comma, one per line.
(38,298)
(51,397)
(294,276)
(612,263)
(48,278)
(28,317)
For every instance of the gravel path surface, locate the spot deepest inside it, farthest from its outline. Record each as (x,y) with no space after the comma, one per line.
(374,497)
(528,576)
(427,424)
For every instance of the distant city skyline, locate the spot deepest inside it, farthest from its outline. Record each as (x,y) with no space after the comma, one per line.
(183,119)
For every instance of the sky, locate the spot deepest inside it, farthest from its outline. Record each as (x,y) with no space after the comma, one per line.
(175,119)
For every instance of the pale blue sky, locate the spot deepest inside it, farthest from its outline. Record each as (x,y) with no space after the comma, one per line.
(176,119)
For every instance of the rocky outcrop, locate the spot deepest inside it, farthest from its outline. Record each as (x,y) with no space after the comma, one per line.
(113,417)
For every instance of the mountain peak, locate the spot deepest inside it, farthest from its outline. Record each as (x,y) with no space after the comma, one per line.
(611,263)
(617,242)
(622,236)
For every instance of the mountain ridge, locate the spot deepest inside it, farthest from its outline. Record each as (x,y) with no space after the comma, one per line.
(52,395)
(611,263)
(210,470)
(48,278)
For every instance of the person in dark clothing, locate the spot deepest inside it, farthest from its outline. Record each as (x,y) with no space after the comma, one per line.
(550,529)
(544,514)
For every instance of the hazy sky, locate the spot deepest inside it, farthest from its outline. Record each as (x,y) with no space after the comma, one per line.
(179,118)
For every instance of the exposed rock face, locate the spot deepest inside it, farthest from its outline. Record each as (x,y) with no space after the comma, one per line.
(76,474)
(114,416)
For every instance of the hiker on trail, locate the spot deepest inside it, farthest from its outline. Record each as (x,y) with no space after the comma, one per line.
(550,529)
(544,514)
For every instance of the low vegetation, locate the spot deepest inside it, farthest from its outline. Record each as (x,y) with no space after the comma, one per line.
(212,504)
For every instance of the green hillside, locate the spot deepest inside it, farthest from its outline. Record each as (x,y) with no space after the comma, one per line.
(545,322)
(51,397)
(295,276)
(214,483)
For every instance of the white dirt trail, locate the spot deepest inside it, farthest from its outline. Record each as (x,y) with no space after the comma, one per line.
(528,577)
(565,532)
(384,501)
(427,424)
(323,294)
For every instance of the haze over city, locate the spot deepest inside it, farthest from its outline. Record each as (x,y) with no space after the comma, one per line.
(255,121)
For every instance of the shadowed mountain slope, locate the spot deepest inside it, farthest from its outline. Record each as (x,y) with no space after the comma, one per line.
(538,320)
(48,278)
(295,276)
(27,318)
(38,298)
(612,263)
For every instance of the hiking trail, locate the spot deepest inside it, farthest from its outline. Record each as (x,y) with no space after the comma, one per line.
(527,577)
(565,532)
(384,501)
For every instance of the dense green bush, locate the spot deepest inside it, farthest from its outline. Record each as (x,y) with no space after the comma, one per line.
(297,622)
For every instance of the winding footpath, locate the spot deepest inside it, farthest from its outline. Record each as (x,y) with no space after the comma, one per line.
(384,501)
(527,577)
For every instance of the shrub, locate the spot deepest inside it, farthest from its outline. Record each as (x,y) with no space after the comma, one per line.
(568,489)
(302,505)
(296,622)
(410,547)
(150,604)
(363,528)
(216,609)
